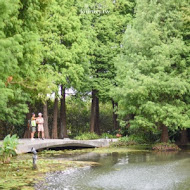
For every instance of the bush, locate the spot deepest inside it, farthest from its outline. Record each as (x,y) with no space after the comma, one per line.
(107,135)
(87,136)
(124,141)
(138,139)
(8,148)
(165,147)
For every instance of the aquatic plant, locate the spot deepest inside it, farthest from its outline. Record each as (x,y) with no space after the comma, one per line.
(165,147)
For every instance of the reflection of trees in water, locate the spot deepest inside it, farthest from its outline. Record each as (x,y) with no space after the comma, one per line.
(164,155)
(106,159)
(110,159)
(137,157)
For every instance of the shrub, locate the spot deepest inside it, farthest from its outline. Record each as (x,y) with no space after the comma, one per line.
(87,136)
(107,135)
(8,148)
(137,138)
(165,147)
(124,141)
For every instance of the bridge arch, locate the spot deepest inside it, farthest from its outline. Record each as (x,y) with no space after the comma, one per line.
(25,145)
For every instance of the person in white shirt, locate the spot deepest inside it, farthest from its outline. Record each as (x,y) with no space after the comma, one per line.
(40,122)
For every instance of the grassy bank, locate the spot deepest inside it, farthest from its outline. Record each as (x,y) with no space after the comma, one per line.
(19,175)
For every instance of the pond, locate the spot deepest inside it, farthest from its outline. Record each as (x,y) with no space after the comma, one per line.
(125,171)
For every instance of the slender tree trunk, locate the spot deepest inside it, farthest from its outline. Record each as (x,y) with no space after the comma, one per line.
(1,130)
(115,122)
(164,135)
(27,133)
(97,126)
(55,114)
(94,121)
(45,116)
(63,126)
(183,137)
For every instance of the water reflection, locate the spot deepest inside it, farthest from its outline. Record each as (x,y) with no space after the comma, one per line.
(132,171)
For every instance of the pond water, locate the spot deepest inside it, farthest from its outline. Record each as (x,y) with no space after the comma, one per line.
(129,171)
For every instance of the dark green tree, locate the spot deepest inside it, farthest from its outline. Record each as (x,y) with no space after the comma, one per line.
(65,50)
(153,72)
(22,77)
(105,22)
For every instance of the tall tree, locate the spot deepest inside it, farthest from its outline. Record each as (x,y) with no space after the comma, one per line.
(55,116)
(65,50)
(153,72)
(63,126)
(45,116)
(22,77)
(105,22)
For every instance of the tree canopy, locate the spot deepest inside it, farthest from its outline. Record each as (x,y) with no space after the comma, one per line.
(133,53)
(153,70)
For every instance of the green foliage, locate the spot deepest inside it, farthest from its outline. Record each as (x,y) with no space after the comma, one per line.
(78,116)
(123,141)
(45,44)
(153,70)
(8,148)
(65,44)
(106,117)
(107,136)
(132,139)
(22,76)
(87,136)
(137,139)
(104,33)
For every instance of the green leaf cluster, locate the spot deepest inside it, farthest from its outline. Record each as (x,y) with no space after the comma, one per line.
(87,136)
(8,148)
(153,72)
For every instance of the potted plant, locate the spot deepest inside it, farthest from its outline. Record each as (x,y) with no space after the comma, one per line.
(8,148)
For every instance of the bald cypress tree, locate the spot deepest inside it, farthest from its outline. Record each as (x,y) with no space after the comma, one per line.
(153,72)
(105,23)
(65,49)
(22,76)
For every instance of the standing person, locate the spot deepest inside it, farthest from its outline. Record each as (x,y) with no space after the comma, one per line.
(40,122)
(33,126)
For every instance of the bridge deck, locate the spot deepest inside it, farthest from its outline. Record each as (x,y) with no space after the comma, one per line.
(25,145)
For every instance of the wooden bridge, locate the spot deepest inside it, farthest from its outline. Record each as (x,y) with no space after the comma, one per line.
(25,145)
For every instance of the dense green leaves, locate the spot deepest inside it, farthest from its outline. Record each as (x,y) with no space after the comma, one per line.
(8,148)
(138,49)
(152,73)
(21,74)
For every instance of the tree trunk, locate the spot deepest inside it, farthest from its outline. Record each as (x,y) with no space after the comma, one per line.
(164,135)
(183,137)
(55,114)
(115,122)
(63,126)
(94,121)
(45,116)
(97,127)
(27,133)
